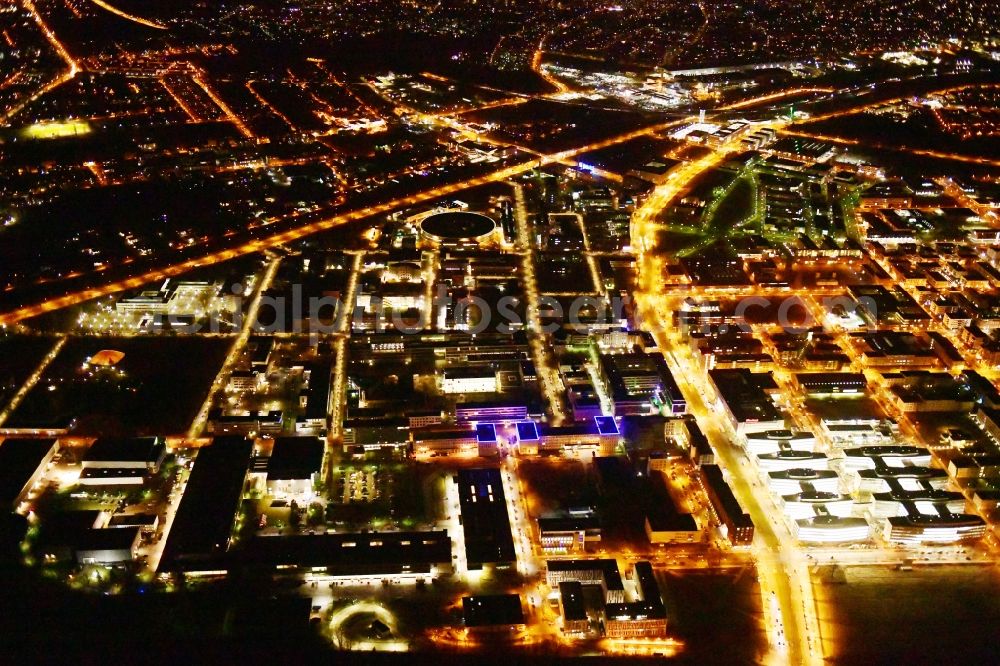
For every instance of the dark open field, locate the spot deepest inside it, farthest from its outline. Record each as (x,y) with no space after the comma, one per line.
(932,615)
(157,388)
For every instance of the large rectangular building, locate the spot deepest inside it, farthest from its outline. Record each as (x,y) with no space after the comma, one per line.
(485,523)
(443,440)
(199,536)
(640,383)
(493,612)
(470,379)
(600,432)
(314,420)
(114,461)
(739,527)
(645,617)
(831,383)
(568,533)
(665,522)
(360,555)
(603,572)
(22,463)
(295,465)
(572,607)
(490,412)
(745,400)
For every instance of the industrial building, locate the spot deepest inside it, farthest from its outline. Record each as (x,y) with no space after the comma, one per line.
(485,523)
(200,534)
(112,461)
(294,466)
(419,555)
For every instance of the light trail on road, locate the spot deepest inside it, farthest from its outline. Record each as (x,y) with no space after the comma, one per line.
(221,103)
(956,157)
(249,325)
(794,92)
(129,17)
(32,380)
(792,638)
(270,107)
(344,315)
(550,382)
(536,66)
(71,63)
(311,228)
(180,101)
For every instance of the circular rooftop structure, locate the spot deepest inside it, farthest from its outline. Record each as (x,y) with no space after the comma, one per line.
(457,227)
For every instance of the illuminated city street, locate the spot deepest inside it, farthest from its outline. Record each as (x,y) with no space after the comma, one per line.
(500,331)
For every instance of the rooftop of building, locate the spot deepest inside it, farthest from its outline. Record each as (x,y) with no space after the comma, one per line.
(295,458)
(489,610)
(131,449)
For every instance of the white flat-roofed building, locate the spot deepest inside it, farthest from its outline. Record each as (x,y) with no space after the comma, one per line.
(897,502)
(771,462)
(812,503)
(791,481)
(849,433)
(918,530)
(144,302)
(772,441)
(884,479)
(175,298)
(115,461)
(695,131)
(470,380)
(832,529)
(867,457)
